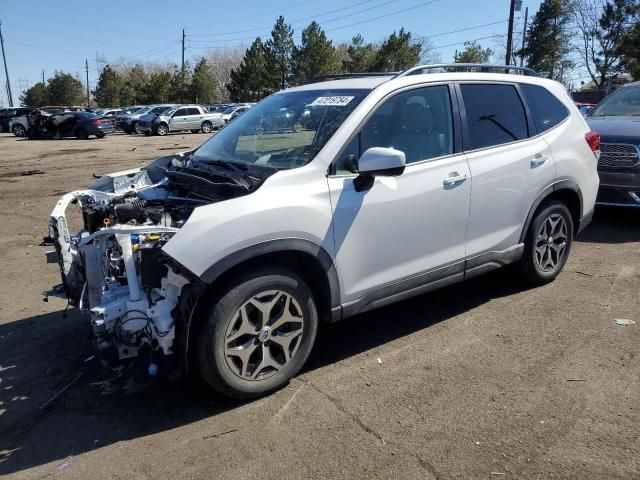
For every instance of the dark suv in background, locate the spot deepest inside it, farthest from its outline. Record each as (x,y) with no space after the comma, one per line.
(617,120)
(7,114)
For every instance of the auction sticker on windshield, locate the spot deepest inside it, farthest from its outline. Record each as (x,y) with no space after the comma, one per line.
(339,101)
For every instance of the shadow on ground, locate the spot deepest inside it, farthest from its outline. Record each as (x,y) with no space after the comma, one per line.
(43,355)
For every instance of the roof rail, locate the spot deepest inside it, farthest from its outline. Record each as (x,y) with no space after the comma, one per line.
(339,76)
(468,67)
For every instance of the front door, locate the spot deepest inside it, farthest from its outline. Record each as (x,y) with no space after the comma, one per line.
(179,120)
(408,230)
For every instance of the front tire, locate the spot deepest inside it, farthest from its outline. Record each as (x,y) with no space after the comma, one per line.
(547,243)
(19,131)
(162,129)
(258,334)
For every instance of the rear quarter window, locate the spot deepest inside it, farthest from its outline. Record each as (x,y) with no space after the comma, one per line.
(495,115)
(546,109)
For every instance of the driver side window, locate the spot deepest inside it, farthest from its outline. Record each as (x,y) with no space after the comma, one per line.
(418,122)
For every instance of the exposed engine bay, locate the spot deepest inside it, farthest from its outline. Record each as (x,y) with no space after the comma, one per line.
(114,269)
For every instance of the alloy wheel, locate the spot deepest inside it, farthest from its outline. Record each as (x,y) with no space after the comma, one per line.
(264,335)
(551,243)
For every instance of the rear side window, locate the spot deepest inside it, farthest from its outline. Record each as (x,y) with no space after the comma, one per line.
(193,111)
(495,115)
(546,109)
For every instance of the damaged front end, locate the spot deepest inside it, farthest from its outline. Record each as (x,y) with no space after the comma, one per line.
(114,268)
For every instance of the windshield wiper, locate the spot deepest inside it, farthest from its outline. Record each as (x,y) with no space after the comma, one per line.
(230,170)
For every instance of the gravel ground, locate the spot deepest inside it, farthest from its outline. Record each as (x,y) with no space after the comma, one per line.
(485,379)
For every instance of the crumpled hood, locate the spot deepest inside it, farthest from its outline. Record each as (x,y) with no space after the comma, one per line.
(617,129)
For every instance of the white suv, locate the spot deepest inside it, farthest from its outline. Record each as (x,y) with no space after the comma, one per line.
(228,256)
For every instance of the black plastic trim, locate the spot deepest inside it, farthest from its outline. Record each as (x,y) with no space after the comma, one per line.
(488,261)
(585,221)
(274,246)
(561,185)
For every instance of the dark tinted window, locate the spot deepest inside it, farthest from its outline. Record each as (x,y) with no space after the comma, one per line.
(495,115)
(546,109)
(181,112)
(193,111)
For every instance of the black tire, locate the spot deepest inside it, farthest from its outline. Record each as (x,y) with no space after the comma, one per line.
(535,240)
(206,127)
(100,135)
(81,133)
(162,129)
(19,131)
(215,366)
(147,133)
(135,128)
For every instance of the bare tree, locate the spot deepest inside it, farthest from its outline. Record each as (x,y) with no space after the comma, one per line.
(223,62)
(600,26)
(428,54)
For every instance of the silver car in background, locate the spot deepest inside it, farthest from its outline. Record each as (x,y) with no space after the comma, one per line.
(195,118)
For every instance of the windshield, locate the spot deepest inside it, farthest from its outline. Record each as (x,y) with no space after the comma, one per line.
(228,110)
(142,110)
(278,133)
(625,101)
(160,109)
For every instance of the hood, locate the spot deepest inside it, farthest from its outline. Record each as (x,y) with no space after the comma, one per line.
(616,128)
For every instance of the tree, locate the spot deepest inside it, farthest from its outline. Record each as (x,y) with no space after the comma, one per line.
(316,55)
(157,89)
(547,47)
(396,53)
(280,48)
(36,96)
(473,53)
(108,92)
(64,89)
(223,63)
(360,56)
(247,82)
(629,51)
(203,83)
(181,84)
(600,35)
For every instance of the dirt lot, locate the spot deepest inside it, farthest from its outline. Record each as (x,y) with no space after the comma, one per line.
(486,379)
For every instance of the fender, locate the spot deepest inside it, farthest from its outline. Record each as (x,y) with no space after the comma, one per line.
(561,185)
(280,245)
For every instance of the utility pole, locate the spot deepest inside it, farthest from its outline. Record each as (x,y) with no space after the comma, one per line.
(182,52)
(512,9)
(524,35)
(6,70)
(86,66)
(43,76)
(182,69)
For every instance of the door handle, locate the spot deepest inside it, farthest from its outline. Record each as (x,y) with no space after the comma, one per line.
(453,178)
(539,160)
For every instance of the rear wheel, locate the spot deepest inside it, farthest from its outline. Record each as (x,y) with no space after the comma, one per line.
(162,129)
(81,133)
(258,334)
(206,127)
(548,243)
(100,135)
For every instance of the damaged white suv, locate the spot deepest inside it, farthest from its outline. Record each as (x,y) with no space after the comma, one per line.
(321,202)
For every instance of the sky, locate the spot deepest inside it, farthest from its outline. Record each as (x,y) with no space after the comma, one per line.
(48,35)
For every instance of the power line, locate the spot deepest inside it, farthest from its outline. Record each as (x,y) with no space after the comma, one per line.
(384,16)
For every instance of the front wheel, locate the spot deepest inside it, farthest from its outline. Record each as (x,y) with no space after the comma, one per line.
(258,334)
(548,243)
(162,129)
(19,131)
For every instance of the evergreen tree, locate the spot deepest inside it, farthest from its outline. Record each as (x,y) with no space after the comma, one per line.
(157,89)
(629,51)
(360,56)
(181,84)
(396,53)
(249,82)
(547,47)
(36,96)
(64,89)
(473,53)
(316,55)
(108,92)
(203,83)
(280,48)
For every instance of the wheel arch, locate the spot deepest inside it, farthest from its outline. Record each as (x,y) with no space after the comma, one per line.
(568,192)
(308,260)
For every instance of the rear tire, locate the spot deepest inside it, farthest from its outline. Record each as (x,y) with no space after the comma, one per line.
(81,133)
(547,243)
(206,127)
(100,135)
(258,333)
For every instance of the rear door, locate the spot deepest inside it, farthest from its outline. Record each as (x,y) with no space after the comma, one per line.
(194,117)
(180,119)
(510,165)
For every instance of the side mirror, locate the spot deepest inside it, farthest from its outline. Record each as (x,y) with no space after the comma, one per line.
(378,162)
